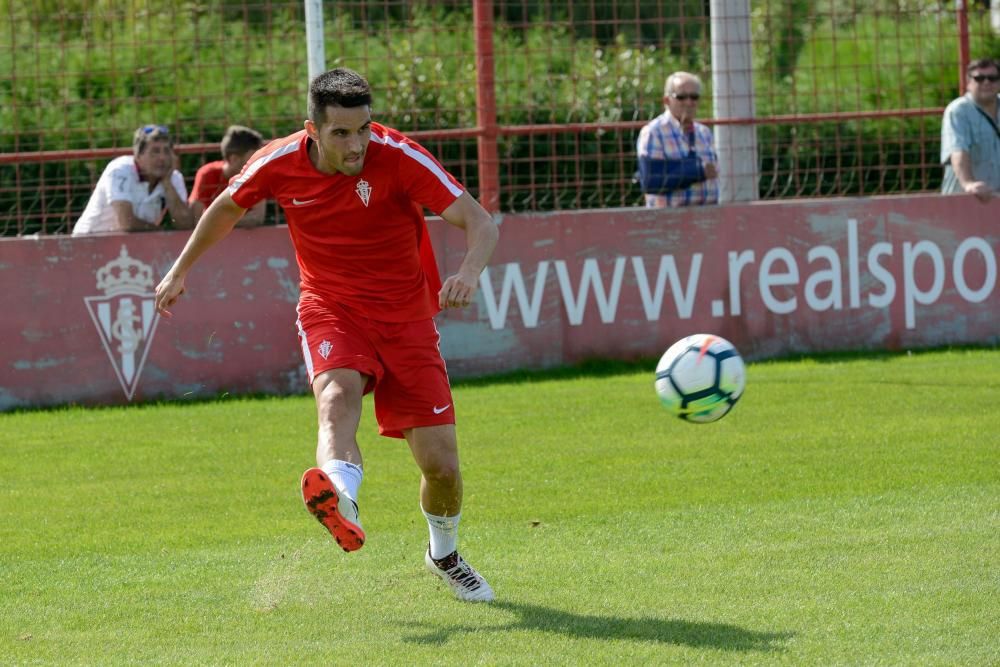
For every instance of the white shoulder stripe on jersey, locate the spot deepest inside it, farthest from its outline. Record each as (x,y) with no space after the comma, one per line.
(427,162)
(260,162)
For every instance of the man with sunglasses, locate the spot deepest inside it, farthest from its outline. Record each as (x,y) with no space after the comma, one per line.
(970,134)
(677,159)
(135,192)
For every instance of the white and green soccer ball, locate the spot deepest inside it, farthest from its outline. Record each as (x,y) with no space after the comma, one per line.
(700,378)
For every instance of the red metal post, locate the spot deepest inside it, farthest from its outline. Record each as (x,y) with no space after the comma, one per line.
(486,107)
(963,42)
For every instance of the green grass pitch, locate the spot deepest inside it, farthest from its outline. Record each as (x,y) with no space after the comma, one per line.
(846,512)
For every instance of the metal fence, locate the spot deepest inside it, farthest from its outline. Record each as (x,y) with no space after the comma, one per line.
(533,104)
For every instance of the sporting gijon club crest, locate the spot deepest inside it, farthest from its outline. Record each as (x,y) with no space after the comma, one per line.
(364,191)
(125,316)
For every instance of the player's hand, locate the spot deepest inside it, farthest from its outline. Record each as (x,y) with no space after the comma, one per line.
(711,171)
(457,291)
(167,292)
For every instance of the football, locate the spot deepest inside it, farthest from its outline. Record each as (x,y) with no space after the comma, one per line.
(700,378)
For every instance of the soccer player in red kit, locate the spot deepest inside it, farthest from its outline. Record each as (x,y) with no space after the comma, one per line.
(353,193)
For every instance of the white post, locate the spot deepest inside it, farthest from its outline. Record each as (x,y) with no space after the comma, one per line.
(315,50)
(733,97)
(995,16)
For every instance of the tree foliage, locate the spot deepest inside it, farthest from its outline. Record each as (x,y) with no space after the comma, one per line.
(81,74)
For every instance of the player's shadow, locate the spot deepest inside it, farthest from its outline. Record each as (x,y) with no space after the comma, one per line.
(722,636)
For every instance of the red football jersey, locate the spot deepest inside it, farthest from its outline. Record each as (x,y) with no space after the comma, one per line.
(208,183)
(360,240)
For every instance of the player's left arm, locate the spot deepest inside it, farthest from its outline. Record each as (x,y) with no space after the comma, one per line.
(481,235)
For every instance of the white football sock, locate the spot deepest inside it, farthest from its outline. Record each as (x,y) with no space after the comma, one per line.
(444,534)
(346,477)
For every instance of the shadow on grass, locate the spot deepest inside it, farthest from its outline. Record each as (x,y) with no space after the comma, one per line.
(721,636)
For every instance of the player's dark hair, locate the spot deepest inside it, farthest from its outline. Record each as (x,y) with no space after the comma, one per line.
(239,140)
(982,63)
(339,87)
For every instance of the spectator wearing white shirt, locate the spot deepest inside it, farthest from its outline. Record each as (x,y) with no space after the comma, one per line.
(136,192)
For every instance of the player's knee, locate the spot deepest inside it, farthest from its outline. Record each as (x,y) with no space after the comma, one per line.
(335,400)
(442,472)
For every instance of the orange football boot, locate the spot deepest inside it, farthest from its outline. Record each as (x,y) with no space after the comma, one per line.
(338,514)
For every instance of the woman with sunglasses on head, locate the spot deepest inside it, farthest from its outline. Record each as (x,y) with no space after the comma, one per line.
(135,192)
(970,134)
(677,159)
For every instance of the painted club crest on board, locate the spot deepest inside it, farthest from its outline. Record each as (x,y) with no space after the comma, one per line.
(364,191)
(125,316)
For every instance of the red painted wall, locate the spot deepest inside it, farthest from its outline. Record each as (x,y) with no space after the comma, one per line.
(775,278)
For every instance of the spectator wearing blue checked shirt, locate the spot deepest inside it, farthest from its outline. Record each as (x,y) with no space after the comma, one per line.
(970,134)
(677,159)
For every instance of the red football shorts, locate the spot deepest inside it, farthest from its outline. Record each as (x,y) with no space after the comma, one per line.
(401,359)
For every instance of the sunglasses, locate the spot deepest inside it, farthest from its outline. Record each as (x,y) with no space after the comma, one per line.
(979,78)
(683,97)
(149,129)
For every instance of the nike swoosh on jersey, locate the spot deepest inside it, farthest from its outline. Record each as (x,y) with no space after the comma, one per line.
(438,410)
(296,202)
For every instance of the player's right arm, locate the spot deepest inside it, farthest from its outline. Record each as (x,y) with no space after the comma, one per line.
(217,221)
